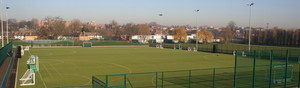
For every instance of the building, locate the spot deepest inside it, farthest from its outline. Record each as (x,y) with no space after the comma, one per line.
(85,36)
(165,38)
(30,37)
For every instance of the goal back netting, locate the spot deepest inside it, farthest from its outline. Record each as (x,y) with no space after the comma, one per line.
(28,78)
(33,62)
(87,44)
(278,74)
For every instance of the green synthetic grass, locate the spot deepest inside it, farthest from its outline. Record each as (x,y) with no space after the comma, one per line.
(76,66)
(61,67)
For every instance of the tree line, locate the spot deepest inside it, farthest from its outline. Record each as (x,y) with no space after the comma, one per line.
(54,27)
(275,36)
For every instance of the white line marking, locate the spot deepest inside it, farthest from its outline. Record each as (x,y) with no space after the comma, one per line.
(42,79)
(122,66)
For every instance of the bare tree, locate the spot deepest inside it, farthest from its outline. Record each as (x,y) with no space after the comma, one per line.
(228,32)
(144,31)
(74,27)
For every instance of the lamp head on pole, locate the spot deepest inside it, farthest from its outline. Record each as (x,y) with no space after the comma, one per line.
(250,4)
(197,10)
(160,14)
(7,7)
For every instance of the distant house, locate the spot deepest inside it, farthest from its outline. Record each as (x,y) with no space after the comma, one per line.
(84,36)
(30,36)
(141,38)
(19,37)
(73,36)
(152,38)
(165,38)
(25,35)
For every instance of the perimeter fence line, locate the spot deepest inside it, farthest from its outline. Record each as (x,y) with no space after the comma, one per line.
(252,69)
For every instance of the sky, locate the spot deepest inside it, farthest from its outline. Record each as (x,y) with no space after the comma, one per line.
(279,13)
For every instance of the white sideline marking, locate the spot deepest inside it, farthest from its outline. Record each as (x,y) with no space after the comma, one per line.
(77,75)
(122,66)
(76,66)
(42,79)
(60,61)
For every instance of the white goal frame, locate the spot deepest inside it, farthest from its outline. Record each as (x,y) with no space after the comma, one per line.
(87,42)
(28,78)
(26,48)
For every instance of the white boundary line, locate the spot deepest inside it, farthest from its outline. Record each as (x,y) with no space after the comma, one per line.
(42,79)
(122,66)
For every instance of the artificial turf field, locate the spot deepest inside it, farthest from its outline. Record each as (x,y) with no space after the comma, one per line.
(75,66)
(61,67)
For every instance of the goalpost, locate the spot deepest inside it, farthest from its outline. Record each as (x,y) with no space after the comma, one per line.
(87,44)
(26,48)
(33,62)
(28,78)
(278,74)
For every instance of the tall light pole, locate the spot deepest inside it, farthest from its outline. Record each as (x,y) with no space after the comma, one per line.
(197,29)
(161,31)
(7,24)
(250,4)
(1,22)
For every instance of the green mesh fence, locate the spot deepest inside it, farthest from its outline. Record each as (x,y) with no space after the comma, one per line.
(4,52)
(223,48)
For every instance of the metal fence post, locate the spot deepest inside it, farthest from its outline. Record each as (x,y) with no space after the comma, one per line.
(106,81)
(286,67)
(214,77)
(156,81)
(299,76)
(162,79)
(235,65)
(93,82)
(254,68)
(271,68)
(190,78)
(125,81)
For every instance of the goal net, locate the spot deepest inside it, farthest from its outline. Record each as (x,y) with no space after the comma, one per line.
(33,62)
(278,74)
(87,44)
(28,78)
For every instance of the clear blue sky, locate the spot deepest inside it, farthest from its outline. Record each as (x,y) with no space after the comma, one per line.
(281,13)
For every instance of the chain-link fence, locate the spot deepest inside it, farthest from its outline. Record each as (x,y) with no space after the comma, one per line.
(227,48)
